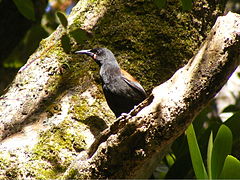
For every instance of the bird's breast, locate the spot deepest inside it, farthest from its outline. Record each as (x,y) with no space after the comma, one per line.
(110,74)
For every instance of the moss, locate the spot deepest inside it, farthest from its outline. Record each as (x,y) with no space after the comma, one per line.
(81,110)
(41,170)
(74,174)
(92,5)
(8,167)
(94,114)
(57,149)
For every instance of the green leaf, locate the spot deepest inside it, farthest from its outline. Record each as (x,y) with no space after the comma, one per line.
(231,108)
(233,123)
(186,4)
(170,159)
(221,148)
(25,7)
(209,155)
(63,19)
(231,168)
(65,41)
(160,3)
(195,153)
(79,35)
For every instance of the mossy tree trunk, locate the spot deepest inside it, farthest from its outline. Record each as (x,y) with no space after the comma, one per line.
(54,111)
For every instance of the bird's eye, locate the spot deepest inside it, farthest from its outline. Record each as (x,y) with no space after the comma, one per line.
(98,52)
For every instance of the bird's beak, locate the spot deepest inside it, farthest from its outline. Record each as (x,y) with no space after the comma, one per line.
(87,52)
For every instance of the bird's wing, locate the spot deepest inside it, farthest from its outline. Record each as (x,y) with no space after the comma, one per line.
(132,82)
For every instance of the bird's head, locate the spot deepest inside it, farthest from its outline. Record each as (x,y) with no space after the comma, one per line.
(100,55)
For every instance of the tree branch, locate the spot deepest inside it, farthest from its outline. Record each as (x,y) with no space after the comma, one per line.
(43,78)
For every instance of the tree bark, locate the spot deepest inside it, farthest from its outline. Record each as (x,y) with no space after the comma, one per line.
(54,110)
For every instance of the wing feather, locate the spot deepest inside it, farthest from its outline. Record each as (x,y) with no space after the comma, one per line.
(133,83)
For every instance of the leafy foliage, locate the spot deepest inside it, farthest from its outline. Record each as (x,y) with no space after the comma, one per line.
(209,155)
(79,35)
(26,8)
(220,164)
(63,19)
(207,126)
(221,148)
(231,168)
(65,41)
(196,157)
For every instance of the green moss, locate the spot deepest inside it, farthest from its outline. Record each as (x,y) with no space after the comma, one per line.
(40,169)
(94,114)
(7,166)
(82,110)
(57,149)
(73,174)
(93,5)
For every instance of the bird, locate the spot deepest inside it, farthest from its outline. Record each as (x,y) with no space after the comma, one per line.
(121,90)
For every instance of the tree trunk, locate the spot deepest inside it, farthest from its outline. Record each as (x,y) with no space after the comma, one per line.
(55,110)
